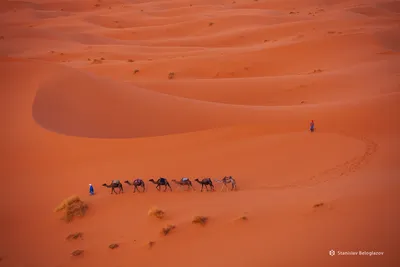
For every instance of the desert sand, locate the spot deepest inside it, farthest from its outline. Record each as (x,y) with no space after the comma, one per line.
(96,90)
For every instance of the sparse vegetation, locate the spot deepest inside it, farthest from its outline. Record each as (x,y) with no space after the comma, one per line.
(75,236)
(318,205)
(73,207)
(200,220)
(131,60)
(97,61)
(317,71)
(166,230)
(113,246)
(77,252)
(242,218)
(156,212)
(135,71)
(171,75)
(151,244)
(211,23)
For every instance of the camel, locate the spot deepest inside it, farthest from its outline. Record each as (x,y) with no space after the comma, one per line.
(161,181)
(205,182)
(115,184)
(226,180)
(136,183)
(184,181)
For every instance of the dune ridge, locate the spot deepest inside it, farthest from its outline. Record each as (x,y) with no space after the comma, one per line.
(98,90)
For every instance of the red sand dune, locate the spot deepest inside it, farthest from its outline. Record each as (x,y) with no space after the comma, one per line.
(248,78)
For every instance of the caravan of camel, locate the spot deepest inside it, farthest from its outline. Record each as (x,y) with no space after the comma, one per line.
(164,182)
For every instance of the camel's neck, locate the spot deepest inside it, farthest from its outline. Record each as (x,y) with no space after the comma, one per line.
(154,182)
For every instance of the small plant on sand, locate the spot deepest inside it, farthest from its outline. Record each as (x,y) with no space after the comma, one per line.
(73,207)
(318,205)
(131,60)
(102,58)
(150,244)
(171,75)
(156,212)
(200,220)
(242,218)
(166,230)
(211,23)
(77,252)
(97,61)
(75,236)
(317,71)
(113,246)
(135,71)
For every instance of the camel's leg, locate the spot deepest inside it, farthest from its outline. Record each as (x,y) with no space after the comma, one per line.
(223,186)
(134,188)
(201,187)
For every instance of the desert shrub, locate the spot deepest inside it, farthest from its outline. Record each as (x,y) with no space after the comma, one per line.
(171,75)
(318,205)
(242,218)
(135,71)
(72,207)
(77,252)
(166,230)
(113,246)
(156,212)
(75,236)
(97,61)
(200,220)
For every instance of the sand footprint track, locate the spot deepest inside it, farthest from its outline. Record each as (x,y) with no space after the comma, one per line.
(340,170)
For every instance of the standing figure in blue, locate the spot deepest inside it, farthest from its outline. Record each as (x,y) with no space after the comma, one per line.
(312,126)
(91,189)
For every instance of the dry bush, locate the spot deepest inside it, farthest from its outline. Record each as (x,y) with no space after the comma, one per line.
(166,230)
(317,71)
(156,212)
(77,252)
(131,60)
(75,236)
(318,205)
(135,71)
(151,244)
(211,23)
(171,75)
(97,61)
(72,206)
(242,218)
(113,246)
(200,220)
